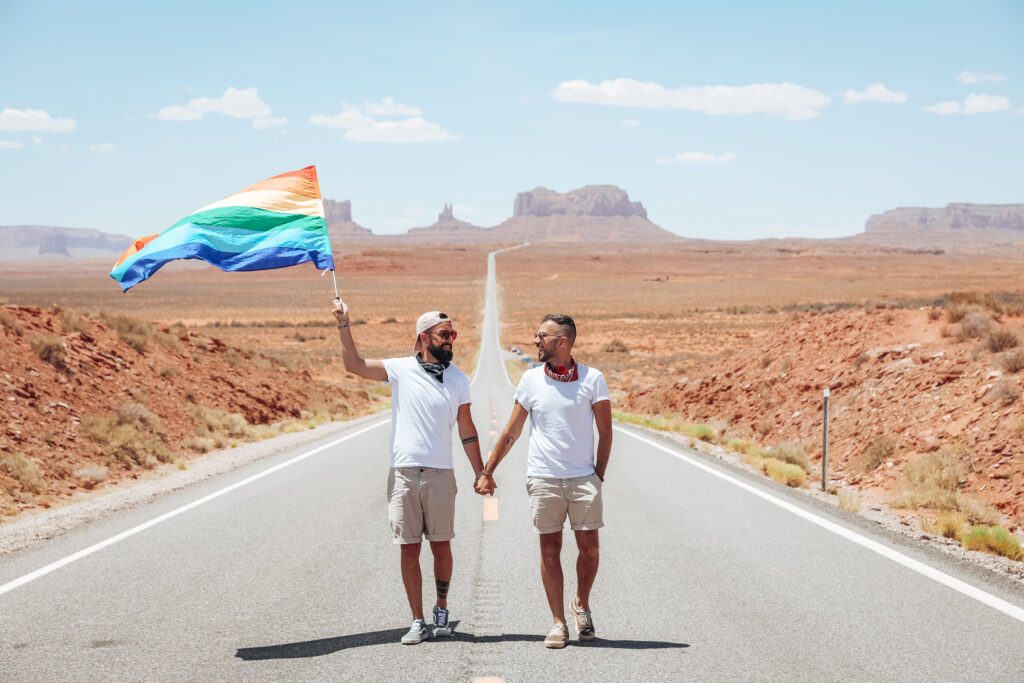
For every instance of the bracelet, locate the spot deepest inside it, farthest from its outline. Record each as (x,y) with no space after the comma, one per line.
(345,325)
(489,474)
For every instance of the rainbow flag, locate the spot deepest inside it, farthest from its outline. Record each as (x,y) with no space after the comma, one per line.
(275,223)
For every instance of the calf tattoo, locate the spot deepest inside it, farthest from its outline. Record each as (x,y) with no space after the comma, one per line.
(442,589)
(468,440)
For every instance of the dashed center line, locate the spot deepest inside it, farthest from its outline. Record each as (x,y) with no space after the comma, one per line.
(490,509)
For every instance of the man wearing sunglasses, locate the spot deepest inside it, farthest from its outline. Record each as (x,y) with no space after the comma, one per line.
(563,399)
(429,396)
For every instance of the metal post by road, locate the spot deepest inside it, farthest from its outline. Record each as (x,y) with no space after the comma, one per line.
(824,447)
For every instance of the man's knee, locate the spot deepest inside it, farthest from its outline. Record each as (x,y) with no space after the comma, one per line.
(410,551)
(441,549)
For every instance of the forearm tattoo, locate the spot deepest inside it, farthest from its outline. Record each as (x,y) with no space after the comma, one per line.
(468,440)
(442,589)
(510,440)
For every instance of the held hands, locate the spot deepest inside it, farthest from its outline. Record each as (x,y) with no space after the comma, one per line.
(340,311)
(485,485)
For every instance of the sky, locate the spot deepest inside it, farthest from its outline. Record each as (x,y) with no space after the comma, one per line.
(728,120)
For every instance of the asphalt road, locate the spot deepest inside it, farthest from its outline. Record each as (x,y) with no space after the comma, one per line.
(706,574)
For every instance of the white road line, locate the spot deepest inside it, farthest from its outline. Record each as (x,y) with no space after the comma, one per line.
(967,589)
(174,513)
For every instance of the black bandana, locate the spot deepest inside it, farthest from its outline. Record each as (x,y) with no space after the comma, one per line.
(435,370)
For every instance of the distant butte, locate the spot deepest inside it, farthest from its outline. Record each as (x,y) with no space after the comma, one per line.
(956,225)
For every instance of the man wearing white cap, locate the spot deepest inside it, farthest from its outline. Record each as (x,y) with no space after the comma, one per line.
(429,396)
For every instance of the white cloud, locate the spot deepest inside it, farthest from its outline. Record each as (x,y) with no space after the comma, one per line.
(631,123)
(974,104)
(873,93)
(783,100)
(34,119)
(102,147)
(407,130)
(239,104)
(36,139)
(978,77)
(388,107)
(8,144)
(359,126)
(264,123)
(697,158)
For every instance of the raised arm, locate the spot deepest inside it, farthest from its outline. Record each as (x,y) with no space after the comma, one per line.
(470,442)
(354,363)
(485,482)
(603,419)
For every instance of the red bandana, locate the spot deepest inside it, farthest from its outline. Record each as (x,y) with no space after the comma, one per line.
(562,373)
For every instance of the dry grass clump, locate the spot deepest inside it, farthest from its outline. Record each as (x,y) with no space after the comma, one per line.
(1011,361)
(931,481)
(784,472)
(975,325)
(948,524)
(996,540)
(49,349)
(122,438)
(615,346)
(9,322)
(1005,391)
(24,471)
(977,511)
(215,424)
(700,431)
(744,447)
(70,323)
(169,341)
(848,500)
(1001,340)
(132,331)
(90,475)
(877,452)
(200,444)
(790,453)
(764,427)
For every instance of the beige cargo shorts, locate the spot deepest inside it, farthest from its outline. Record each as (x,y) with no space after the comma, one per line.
(421,502)
(552,500)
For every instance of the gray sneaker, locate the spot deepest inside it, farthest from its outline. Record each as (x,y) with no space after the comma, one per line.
(416,634)
(558,637)
(442,627)
(584,622)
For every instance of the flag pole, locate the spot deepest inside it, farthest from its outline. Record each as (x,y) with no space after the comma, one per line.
(336,295)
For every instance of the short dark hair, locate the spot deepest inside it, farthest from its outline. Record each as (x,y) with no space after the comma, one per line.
(567,324)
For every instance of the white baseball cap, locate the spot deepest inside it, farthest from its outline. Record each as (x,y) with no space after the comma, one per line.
(427,321)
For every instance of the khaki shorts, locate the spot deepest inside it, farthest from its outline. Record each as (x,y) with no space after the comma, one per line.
(421,502)
(579,498)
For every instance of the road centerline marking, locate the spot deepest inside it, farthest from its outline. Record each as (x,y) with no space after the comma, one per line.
(53,566)
(490,509)
(930,572)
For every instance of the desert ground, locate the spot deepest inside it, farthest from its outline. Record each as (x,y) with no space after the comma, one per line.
(732,343)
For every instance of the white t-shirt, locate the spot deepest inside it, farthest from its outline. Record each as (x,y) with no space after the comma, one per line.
(561,421)
(423,412)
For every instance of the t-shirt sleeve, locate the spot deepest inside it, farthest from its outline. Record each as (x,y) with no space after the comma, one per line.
(523,394)
(600,392)
(464,397)
(391,366)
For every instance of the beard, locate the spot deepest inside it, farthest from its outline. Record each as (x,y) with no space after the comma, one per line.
(442,354)
(542,355)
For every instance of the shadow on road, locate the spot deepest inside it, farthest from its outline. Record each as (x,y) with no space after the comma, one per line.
(326,646)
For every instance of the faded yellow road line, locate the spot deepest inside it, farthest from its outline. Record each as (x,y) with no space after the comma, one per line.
(490,515)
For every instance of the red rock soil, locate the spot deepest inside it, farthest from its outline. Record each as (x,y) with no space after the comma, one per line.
(891,372)
(43,406)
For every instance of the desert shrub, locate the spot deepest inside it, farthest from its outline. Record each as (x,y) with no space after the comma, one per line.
(744,446)
(958,310)
(996,540)
(90,475)
(389,321)
(1001,340)
(74,323)
(616,346)
(848,500)
(169,341)
(948,524)
(878,451)
(934,313)
(975,325)
(24,471)
(169,371)
(199,444)
(212,422)
(1005,391)
(232,357)
(1011,361)
(790,453)
(977,511)
(784,472)
(860,360)
(766,361)
(764,427)
(136,413)
(49,349)
(702,432)
(931,481)
(9,322)
(121,437)
(132,331)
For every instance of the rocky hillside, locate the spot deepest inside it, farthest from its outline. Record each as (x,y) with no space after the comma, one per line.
(905,384)
(90,402)
(952,226)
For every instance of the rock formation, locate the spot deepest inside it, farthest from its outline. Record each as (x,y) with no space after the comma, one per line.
(448,227)
(954,225)
(340,225)
(31,242)
(592,200)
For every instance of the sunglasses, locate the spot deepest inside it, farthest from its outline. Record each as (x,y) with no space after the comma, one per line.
(446,335)
(544,335)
